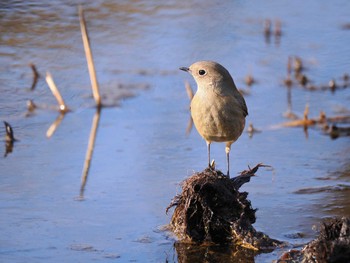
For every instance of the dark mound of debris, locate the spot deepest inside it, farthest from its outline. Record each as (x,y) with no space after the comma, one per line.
(211,209)
(332,244)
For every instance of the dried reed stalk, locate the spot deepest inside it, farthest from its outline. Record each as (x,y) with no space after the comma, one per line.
(90,62)
(189,90)
(36,76)
(62,106)
(190,96)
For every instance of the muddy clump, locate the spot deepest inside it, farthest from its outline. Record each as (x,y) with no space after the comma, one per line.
(331,245)
(211,209)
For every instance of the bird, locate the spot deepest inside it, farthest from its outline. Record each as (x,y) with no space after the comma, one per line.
(218,109)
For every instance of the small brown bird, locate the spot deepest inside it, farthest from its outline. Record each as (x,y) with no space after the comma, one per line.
(218,109)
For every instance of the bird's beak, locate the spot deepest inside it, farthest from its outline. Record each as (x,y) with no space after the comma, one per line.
(185,69)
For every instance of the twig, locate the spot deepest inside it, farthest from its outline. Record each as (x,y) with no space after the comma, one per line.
(35,76)
(189,90)
(62,106)
(9,133)
(190,96)
(90,62)
(289,65)
(267,28)
(306,112)
(31,106)
(249,80)
(278,30)
(298,65)
(251,130)
(189,126)
(245,175)
(288,81)
(322,119)
(301,122)
(9,139)
(339,119)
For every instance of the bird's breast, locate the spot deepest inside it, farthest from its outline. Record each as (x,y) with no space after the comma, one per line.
(217,118)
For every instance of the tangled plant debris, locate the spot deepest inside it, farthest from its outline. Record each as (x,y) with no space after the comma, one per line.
(211,209)
(211,215)
(331,245)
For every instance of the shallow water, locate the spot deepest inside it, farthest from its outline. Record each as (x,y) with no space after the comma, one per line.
(141,151)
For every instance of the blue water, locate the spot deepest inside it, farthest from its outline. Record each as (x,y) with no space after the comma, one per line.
(142,152)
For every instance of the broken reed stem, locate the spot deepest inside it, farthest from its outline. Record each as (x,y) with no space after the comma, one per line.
(306,112)
(62,106)
(189,90)
(189,126)
(9,139)
(190,96)
(9,133)
(35,76)
(90,62)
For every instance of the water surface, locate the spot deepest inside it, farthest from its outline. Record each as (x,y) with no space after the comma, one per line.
(141,151)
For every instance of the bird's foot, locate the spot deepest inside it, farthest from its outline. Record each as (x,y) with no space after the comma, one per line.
(211,165)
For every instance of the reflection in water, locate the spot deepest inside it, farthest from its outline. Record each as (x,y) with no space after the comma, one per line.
(144,42)
(188,253)
(340,201)
(278,32)
(8,148)
(289,83)
(54,125)
(267,30)
(89,151)
(289,113)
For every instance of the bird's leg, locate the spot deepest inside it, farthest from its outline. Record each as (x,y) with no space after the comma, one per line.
(208,146)
(227,150)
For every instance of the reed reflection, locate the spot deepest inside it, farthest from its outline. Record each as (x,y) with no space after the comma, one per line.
(51,130)
(89,151)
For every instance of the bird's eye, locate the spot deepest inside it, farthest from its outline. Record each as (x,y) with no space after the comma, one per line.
(202,72)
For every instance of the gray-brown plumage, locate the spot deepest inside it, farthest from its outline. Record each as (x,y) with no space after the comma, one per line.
(218,109)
